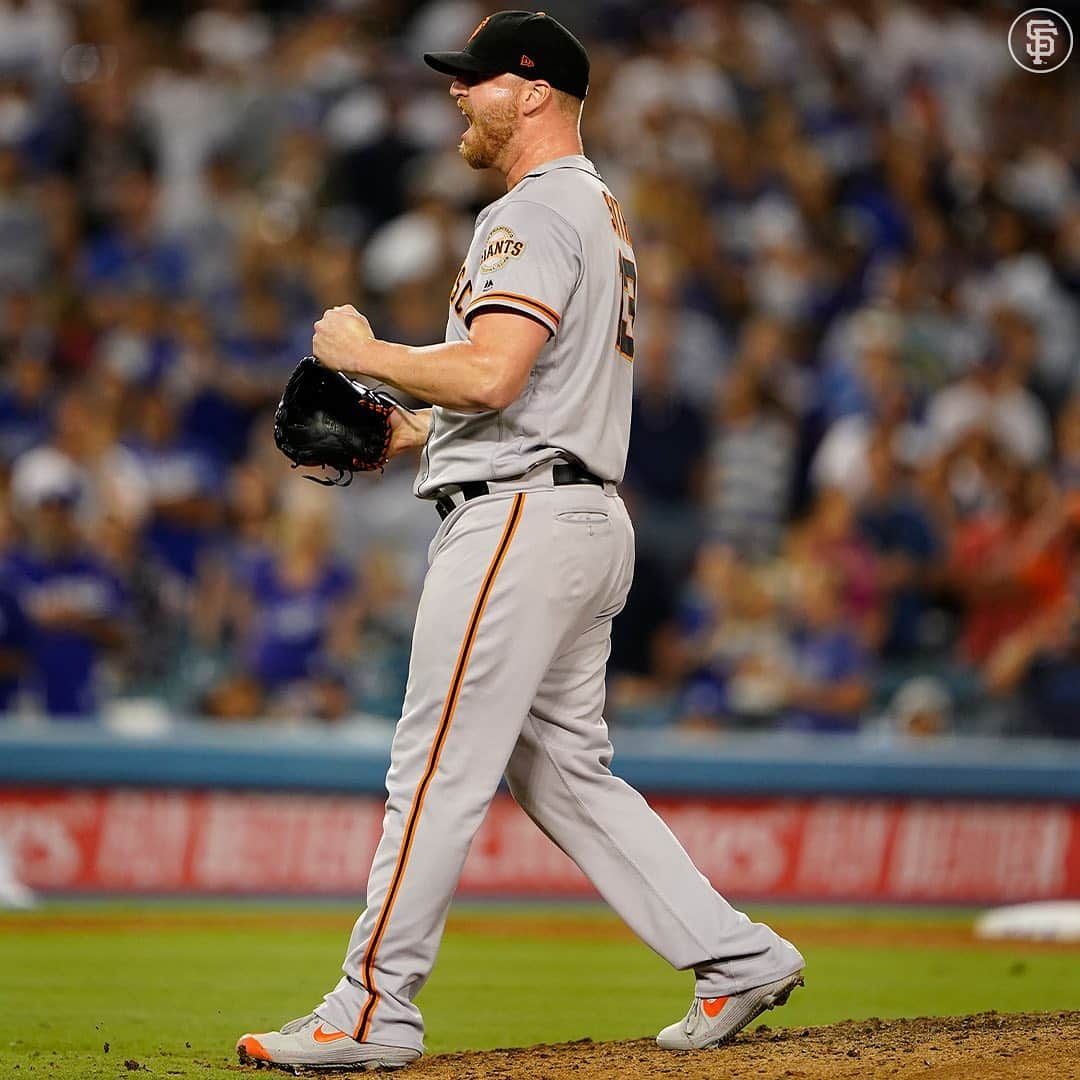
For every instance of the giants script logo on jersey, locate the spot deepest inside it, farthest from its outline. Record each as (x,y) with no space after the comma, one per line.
(499,248)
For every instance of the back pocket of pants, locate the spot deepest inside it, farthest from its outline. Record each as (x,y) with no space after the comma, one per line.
(583,517)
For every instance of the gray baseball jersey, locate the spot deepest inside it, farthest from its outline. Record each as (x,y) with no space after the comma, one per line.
(513,631)
(555,248)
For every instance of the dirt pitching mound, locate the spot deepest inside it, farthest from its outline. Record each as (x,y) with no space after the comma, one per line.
(983,1047)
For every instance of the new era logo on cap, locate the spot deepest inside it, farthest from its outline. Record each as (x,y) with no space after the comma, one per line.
(530,44)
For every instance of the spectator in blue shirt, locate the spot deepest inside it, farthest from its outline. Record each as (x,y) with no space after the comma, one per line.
(73,603)
(254,357)
(131,254)
(898,526)
(827,687)
(181,482)
(303,613)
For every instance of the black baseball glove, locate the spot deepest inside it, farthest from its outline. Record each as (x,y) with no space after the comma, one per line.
(324,419)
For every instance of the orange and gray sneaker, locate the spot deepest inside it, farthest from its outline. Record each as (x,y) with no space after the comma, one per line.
(311,1043)
(712,1021)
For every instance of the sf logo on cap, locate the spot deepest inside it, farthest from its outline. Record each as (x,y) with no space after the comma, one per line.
(483,23)
(1040,40)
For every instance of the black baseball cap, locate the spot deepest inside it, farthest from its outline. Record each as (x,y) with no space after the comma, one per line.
(526,43)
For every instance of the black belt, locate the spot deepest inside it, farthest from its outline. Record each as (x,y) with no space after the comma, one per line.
(561,474)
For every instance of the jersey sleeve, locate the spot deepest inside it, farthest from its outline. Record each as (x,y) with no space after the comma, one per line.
(530,262)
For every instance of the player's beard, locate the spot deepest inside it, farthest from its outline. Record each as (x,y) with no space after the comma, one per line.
(482,145)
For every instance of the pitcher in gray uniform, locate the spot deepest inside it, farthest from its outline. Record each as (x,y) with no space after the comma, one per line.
(522,451)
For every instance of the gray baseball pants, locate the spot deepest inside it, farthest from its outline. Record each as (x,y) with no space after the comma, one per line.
(509,651)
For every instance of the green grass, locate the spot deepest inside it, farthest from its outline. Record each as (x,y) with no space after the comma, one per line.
(148,992)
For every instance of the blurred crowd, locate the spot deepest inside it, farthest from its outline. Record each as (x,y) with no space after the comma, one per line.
(855,459)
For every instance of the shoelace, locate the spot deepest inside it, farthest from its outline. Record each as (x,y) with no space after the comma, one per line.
(293,1026)
(693,1015)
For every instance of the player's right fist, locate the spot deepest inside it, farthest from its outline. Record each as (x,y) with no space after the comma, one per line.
(339,338)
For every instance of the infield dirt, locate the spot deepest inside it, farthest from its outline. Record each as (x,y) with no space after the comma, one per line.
(988,1046)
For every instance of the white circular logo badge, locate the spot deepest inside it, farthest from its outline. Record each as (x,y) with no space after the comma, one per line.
(499,248)
(1040,40)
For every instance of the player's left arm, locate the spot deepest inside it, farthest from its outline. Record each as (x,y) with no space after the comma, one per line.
(488,371)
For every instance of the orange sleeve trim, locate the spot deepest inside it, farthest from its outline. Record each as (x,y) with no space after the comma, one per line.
(516,298)
(449,706)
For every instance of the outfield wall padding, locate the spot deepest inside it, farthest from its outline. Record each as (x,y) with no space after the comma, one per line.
(356,759)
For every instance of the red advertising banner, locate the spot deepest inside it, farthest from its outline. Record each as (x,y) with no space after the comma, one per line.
(143,841)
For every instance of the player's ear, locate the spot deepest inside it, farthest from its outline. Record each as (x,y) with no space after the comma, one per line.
(537,95)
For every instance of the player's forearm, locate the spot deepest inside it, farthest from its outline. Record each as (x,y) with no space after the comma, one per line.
(409,430)
(456,374)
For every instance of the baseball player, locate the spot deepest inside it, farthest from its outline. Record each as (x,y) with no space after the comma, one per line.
(522,451)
